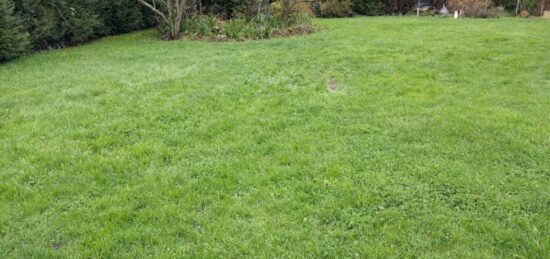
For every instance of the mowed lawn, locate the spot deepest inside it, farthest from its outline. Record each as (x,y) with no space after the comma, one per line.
(436,144)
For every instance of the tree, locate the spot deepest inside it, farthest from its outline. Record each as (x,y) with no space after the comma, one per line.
(170,13)
(14,41)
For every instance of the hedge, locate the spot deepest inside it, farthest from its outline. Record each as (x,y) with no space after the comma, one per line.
(47,24)
(14,41)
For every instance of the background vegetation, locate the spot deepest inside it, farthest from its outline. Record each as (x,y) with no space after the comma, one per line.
(47,24)
(13,38)
(28,25)
(58,23)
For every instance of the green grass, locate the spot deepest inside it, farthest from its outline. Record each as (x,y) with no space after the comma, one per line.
(436,145)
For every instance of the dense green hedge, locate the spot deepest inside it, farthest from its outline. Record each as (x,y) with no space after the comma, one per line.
(58,23)
(13,39)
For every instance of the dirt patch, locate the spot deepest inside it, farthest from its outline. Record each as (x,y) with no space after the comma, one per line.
(56,245)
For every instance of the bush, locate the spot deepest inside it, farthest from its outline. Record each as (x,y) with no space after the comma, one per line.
(262,26)
(295,7)
(369,7)
(336,8)
(120,16)
(375,8)
(204,25)
(471,8)
(524,14)
(56,23)
(534,7)
(234,28)
(493,12)
(53,24)
(224,8)
(13,39)
(257,27)
(253,20)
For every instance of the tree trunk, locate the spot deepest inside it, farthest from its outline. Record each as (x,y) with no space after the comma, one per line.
(200,7)
(171,17)
(286,7)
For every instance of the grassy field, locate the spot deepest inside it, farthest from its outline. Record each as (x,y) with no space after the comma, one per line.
(436,144)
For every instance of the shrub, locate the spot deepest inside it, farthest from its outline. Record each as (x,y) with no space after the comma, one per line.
(204,25)
(369,7)
(300,19)
(120,16)
(253,20)
(493,12)
(534,7)
(375,8)
(234,28)
(207,25)
(13,39)
(336,8)
(54,24)
(524,14)
(260,26)
(57,23)
(472,8)
(531,6)
(224,8)
(295,7)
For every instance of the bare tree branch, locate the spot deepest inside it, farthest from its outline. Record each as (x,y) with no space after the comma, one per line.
(171,13)
(155,10)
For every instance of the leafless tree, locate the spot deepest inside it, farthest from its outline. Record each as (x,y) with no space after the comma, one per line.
(170,13)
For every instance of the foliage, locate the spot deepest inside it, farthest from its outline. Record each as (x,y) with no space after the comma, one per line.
(204,25)
(509,5)
(369,7)
(471,8)
(235,28)
(56,23)
(13,39)
(255,20)
(403,6)
(291,8)
(336,8)
(474,8)
(169,14)
(262,26)
(524,14)
(436,146)
(121,16)
(494,8)
(532,6)
(493,12)
(223,8)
